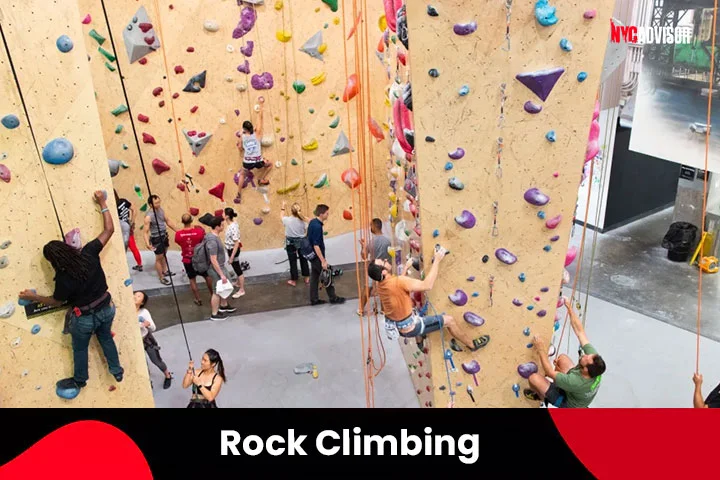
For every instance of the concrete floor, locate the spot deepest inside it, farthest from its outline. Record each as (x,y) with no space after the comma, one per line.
(631,269)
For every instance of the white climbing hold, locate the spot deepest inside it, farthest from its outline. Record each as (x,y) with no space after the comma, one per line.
(223,121)
(241,87)
(136,40)
(211,26)
(312,46)
(230,48)
(278,164)
(266,210)
(7,310)
(228,78)
(267,141)
(197,140)
(16,342)
(25,373)
(256,108)
(342,146)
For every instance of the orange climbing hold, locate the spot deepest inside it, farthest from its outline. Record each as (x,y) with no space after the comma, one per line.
(376,130)
(352,88)
(347,215)
(351,178)
(381,45)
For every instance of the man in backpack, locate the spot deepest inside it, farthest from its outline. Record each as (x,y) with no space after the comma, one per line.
(209,257)
(188,238)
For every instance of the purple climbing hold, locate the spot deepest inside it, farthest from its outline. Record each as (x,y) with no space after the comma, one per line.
(505,256)
(258,221)
(247,50)
(466,219)
(541,313)
(536,197)
(244,68)
(459,298)
(517,302)
(471,279)
(527,369)
(473,319)
(262,82)
(465,28)
(555,238)
(457,154)
(544,289)
(532,108)
(541,82)
(246,23)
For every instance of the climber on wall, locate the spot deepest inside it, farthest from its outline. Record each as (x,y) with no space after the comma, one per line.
(80,280)
(156,237)
(573,386)
(251,143)
(394,292)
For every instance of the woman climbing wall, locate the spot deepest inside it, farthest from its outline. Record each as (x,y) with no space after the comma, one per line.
(205,382)
(250,142)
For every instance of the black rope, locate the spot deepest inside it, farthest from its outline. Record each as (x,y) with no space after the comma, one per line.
(147,180)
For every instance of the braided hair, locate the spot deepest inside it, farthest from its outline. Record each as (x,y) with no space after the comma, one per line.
(65,258)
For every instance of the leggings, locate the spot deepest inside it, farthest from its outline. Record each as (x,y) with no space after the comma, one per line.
(154,354)
(236,264)
(133,248)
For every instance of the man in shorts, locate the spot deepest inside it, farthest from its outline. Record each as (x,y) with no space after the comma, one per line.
(572,386)
(394,292)
(217,272)
(187,239)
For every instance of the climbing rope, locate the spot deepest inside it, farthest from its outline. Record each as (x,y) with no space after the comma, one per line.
(144,170)
(705,185)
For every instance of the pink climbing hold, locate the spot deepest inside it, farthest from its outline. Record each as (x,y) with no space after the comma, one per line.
(73,239)
(570,256)
(5,174)
(218,191)
(157,91)
(190,49)
(390,15)
(556,174)
(593,146)
(179,69)
(553,223)
(143,118)
(87,19)
(145,27)
(147,138)
(244,68)
(160,167)
(590,14)
(142,61)
(194,109)
(150,39)
(201,170)
(194,211)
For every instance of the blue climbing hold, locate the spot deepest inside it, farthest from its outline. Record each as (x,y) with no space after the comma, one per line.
(66,393)
(464,90)
(529,345)
(547,248)
(526,332)
(582,76)
(566,45)
(521,277)
(541,215)
(475,294)
(436,233)
(10,121)
(448,166)
(58,152)
(530,307)
(128,282)
(35,329)
(24,303)
(516,389)
(550,136)
(545,13)
(64,44)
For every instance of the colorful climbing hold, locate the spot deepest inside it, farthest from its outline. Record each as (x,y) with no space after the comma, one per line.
(248,17)
(284,36)
(299,87)
(505,256)
(139,36)
(196,83)
(458,154)
(582,76)
(532,108)
(465,28)
(106,54)
(334,124)
(143,118)
(550,136)
(149,139)
(7,310)
(352,87)
(311,145)
(160,167)
(119,110)
(96,36)
(333,4)
(218,191)
(87,19)
(466,219)
(464,91)
(58,151)
(24,303)
(566,45)
(473,319)
(64,44)
(35,329)
(535,197)
(590,14)
(545,13)
(458,298)
(263,81)
(10,121)
(319,78)
(554,222)
(5,176)
(456,184)
(351,178)
(541,82)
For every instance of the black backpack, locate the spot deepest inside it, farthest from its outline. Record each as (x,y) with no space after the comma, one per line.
(307,250)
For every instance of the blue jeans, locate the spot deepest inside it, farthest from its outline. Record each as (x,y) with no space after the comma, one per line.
(82,329)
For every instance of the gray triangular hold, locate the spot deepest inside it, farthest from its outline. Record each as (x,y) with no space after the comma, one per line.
(342,146)
(136,44)
(197,141)
(114,167)
(312,46)
(196,83)
(251,2)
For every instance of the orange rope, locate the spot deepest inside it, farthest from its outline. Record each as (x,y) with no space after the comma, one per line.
(163,48)
(704,210)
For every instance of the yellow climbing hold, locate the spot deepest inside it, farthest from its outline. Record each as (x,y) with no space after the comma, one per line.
(278,5)
(289,188)
(394,211)
(317,9)
(318,79)
(393,197)
(277,119)
(387,103)
(382,23)
(277,130)
(336,20)
(386,126)
(313,145)
(331,113)
(322,48)
(284,36)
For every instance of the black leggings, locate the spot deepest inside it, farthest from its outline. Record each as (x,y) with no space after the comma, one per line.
(154,354)
(293,257)
(236,264)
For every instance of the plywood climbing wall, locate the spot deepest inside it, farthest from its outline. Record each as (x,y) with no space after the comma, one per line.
(43,201)
(196,37)
(460,106)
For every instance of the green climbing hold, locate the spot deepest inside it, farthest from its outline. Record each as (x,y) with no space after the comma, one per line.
(322,181)
(99,38)
(107,54)
(144,208)
(125,147)
(119,129)
(299,87)
(394,39)
(294,162)
(109,67)
(326,25)
(333,4)
(312,110)
(120,110)
(335,122)
(124,165)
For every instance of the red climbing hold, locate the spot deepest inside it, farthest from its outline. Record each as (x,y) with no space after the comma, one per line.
(176,95)
(145,27)
(420,363)
(5,174)
(219,213)
(181,186)
(194,109)
(381,45)
(376,130)
(161,104)
(351,90)
(179,69)
(218,191)
(160,167)
(87,19)
(419,392)
(150,39)
(403,58)
(428,388)
(142,61)
(190,49)
(428,375)
(347,215)
(157,91)
(202,135)
(112,388)
(351,178)
(194,211)
(171,6)
(143,118)
(201,170)
(192,133)
(147,138)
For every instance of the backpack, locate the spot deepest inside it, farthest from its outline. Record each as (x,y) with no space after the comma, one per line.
(201,258)
(307,250)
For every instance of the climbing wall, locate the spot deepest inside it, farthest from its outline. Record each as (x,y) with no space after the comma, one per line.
(297,47)
(502,207)
(47,197)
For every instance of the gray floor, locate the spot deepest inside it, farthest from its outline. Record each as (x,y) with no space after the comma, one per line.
(631,269)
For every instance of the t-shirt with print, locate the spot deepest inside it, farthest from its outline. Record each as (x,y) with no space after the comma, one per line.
(123,207)
(82,293)
(215,247)
(580,390)
(232,235)
(394,293)
(144,315)
(380,245)
(188,238)
(252,147)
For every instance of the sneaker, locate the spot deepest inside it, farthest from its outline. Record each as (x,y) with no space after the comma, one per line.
(218,317)
(318,302)
(239,294)
(169,274)
(227,309)
(138,268)
(337,300)
(167,383)
(480,342)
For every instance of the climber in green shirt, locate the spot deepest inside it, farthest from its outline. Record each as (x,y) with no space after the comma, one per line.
(572,386)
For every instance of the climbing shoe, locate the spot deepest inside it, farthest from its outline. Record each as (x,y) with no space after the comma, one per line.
(479,343)
(70,383)
(531,395)
(167,383)
(455,346)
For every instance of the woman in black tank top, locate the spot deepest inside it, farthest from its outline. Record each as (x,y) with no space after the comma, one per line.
(206,382)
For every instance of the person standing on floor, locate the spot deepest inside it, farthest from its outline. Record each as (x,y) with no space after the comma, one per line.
(187,239)
(156,237)
(295,230)
(712,400)
(376,250)
(147,327)
(80,280)
(215,250)
(251,144)
(572,386)
(233,245)
(318,264)
(127,215)
(205,382)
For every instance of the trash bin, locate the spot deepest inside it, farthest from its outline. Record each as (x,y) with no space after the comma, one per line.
(680,240)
